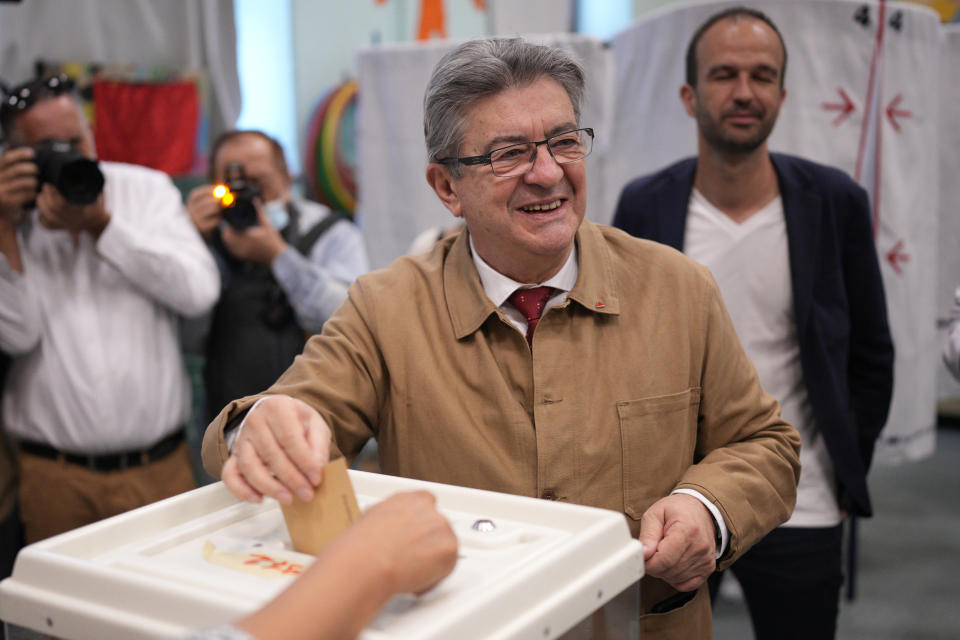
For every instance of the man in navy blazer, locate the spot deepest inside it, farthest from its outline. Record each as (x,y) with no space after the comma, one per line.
(790,243)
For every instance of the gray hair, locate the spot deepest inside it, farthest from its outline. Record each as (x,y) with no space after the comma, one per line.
(480,68)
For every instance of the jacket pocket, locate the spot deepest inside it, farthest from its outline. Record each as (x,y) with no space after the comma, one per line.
(688,621)
(658,436)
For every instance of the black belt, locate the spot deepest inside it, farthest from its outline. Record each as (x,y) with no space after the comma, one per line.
(109,461)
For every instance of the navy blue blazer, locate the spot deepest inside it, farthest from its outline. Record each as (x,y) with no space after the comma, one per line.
(846,352)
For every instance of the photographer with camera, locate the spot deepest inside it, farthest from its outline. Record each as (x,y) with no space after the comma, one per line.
(285,265)
(98,260)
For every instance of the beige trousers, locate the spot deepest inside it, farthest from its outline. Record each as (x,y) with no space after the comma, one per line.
(57,496)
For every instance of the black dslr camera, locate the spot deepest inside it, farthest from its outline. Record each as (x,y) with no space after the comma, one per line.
(76,177)
(236,197)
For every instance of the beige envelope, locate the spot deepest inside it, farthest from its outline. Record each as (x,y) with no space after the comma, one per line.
(312,525)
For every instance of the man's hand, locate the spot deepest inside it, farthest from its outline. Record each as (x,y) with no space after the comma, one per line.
(262,243)
(18,182)
(56,213)
(282,450)
(413,542)
(204,209)
(679,547)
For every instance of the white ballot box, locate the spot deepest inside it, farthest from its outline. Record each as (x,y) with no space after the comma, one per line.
(527,568)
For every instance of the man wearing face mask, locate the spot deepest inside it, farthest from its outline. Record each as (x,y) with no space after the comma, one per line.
(281,278)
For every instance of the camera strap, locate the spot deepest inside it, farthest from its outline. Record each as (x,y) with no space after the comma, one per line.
(305,243)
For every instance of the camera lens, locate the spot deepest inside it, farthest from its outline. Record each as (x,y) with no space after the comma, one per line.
(76,177)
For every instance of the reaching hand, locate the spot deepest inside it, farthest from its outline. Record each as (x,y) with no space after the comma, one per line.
(413,541)
(18,182)
(261,243)
(204,210)
(678,539)
(282,450)
(400,545)
(56,213)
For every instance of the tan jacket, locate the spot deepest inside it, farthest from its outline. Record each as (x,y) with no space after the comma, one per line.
(637,385)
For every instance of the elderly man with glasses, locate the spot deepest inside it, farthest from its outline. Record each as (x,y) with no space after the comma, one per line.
(98,260)
(535,353)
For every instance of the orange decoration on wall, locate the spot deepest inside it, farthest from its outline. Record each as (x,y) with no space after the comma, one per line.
(433,22)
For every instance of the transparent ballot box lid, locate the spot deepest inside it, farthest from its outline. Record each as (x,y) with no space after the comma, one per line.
(203,559)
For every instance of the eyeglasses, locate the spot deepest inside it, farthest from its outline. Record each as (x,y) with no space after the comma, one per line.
(517,159)
(25,95)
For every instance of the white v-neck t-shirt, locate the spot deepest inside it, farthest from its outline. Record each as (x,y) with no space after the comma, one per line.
(750,262)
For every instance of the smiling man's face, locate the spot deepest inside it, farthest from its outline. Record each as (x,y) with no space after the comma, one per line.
(523,226)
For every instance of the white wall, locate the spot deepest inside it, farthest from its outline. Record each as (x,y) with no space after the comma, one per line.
(327,34)
(265,61)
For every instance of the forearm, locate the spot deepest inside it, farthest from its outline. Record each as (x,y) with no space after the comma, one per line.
(173,267)
(753,483)
(10,247)
(214,451)
(19,311)
(335,599)
(313,292)
(340,374)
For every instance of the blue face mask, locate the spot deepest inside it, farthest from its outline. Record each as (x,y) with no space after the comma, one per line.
(276,212)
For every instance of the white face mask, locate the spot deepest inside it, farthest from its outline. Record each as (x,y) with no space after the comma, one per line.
(276,212)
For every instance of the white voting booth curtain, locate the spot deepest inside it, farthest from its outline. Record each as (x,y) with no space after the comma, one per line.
(949,190)
(395,202)
(509,17)
(863,90)
(187,34)
(862,94)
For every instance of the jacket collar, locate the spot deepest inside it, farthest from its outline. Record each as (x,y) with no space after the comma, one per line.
(596,288)
(674,201)
(802,210)
(469,307)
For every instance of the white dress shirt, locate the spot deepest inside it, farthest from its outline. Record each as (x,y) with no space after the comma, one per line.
(91,325)
(750,262)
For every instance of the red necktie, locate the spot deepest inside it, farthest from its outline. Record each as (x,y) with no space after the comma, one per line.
(530,303)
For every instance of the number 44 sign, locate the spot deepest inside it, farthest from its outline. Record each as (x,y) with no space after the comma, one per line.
(878,111)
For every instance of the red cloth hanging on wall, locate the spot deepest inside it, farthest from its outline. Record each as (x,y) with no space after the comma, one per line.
(154,125)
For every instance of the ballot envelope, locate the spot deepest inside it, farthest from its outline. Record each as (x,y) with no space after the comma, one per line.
(527,568)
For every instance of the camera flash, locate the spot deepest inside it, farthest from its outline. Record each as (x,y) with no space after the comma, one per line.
(219,191)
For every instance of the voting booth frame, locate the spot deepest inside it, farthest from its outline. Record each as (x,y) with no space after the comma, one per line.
(527,568)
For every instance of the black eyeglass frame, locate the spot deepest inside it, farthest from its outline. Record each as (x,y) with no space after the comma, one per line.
(487,158)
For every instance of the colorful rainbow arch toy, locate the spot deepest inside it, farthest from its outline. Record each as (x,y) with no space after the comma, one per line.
(330,160)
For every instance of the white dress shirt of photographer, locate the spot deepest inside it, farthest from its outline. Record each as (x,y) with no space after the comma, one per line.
(91,324)
(90,294)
